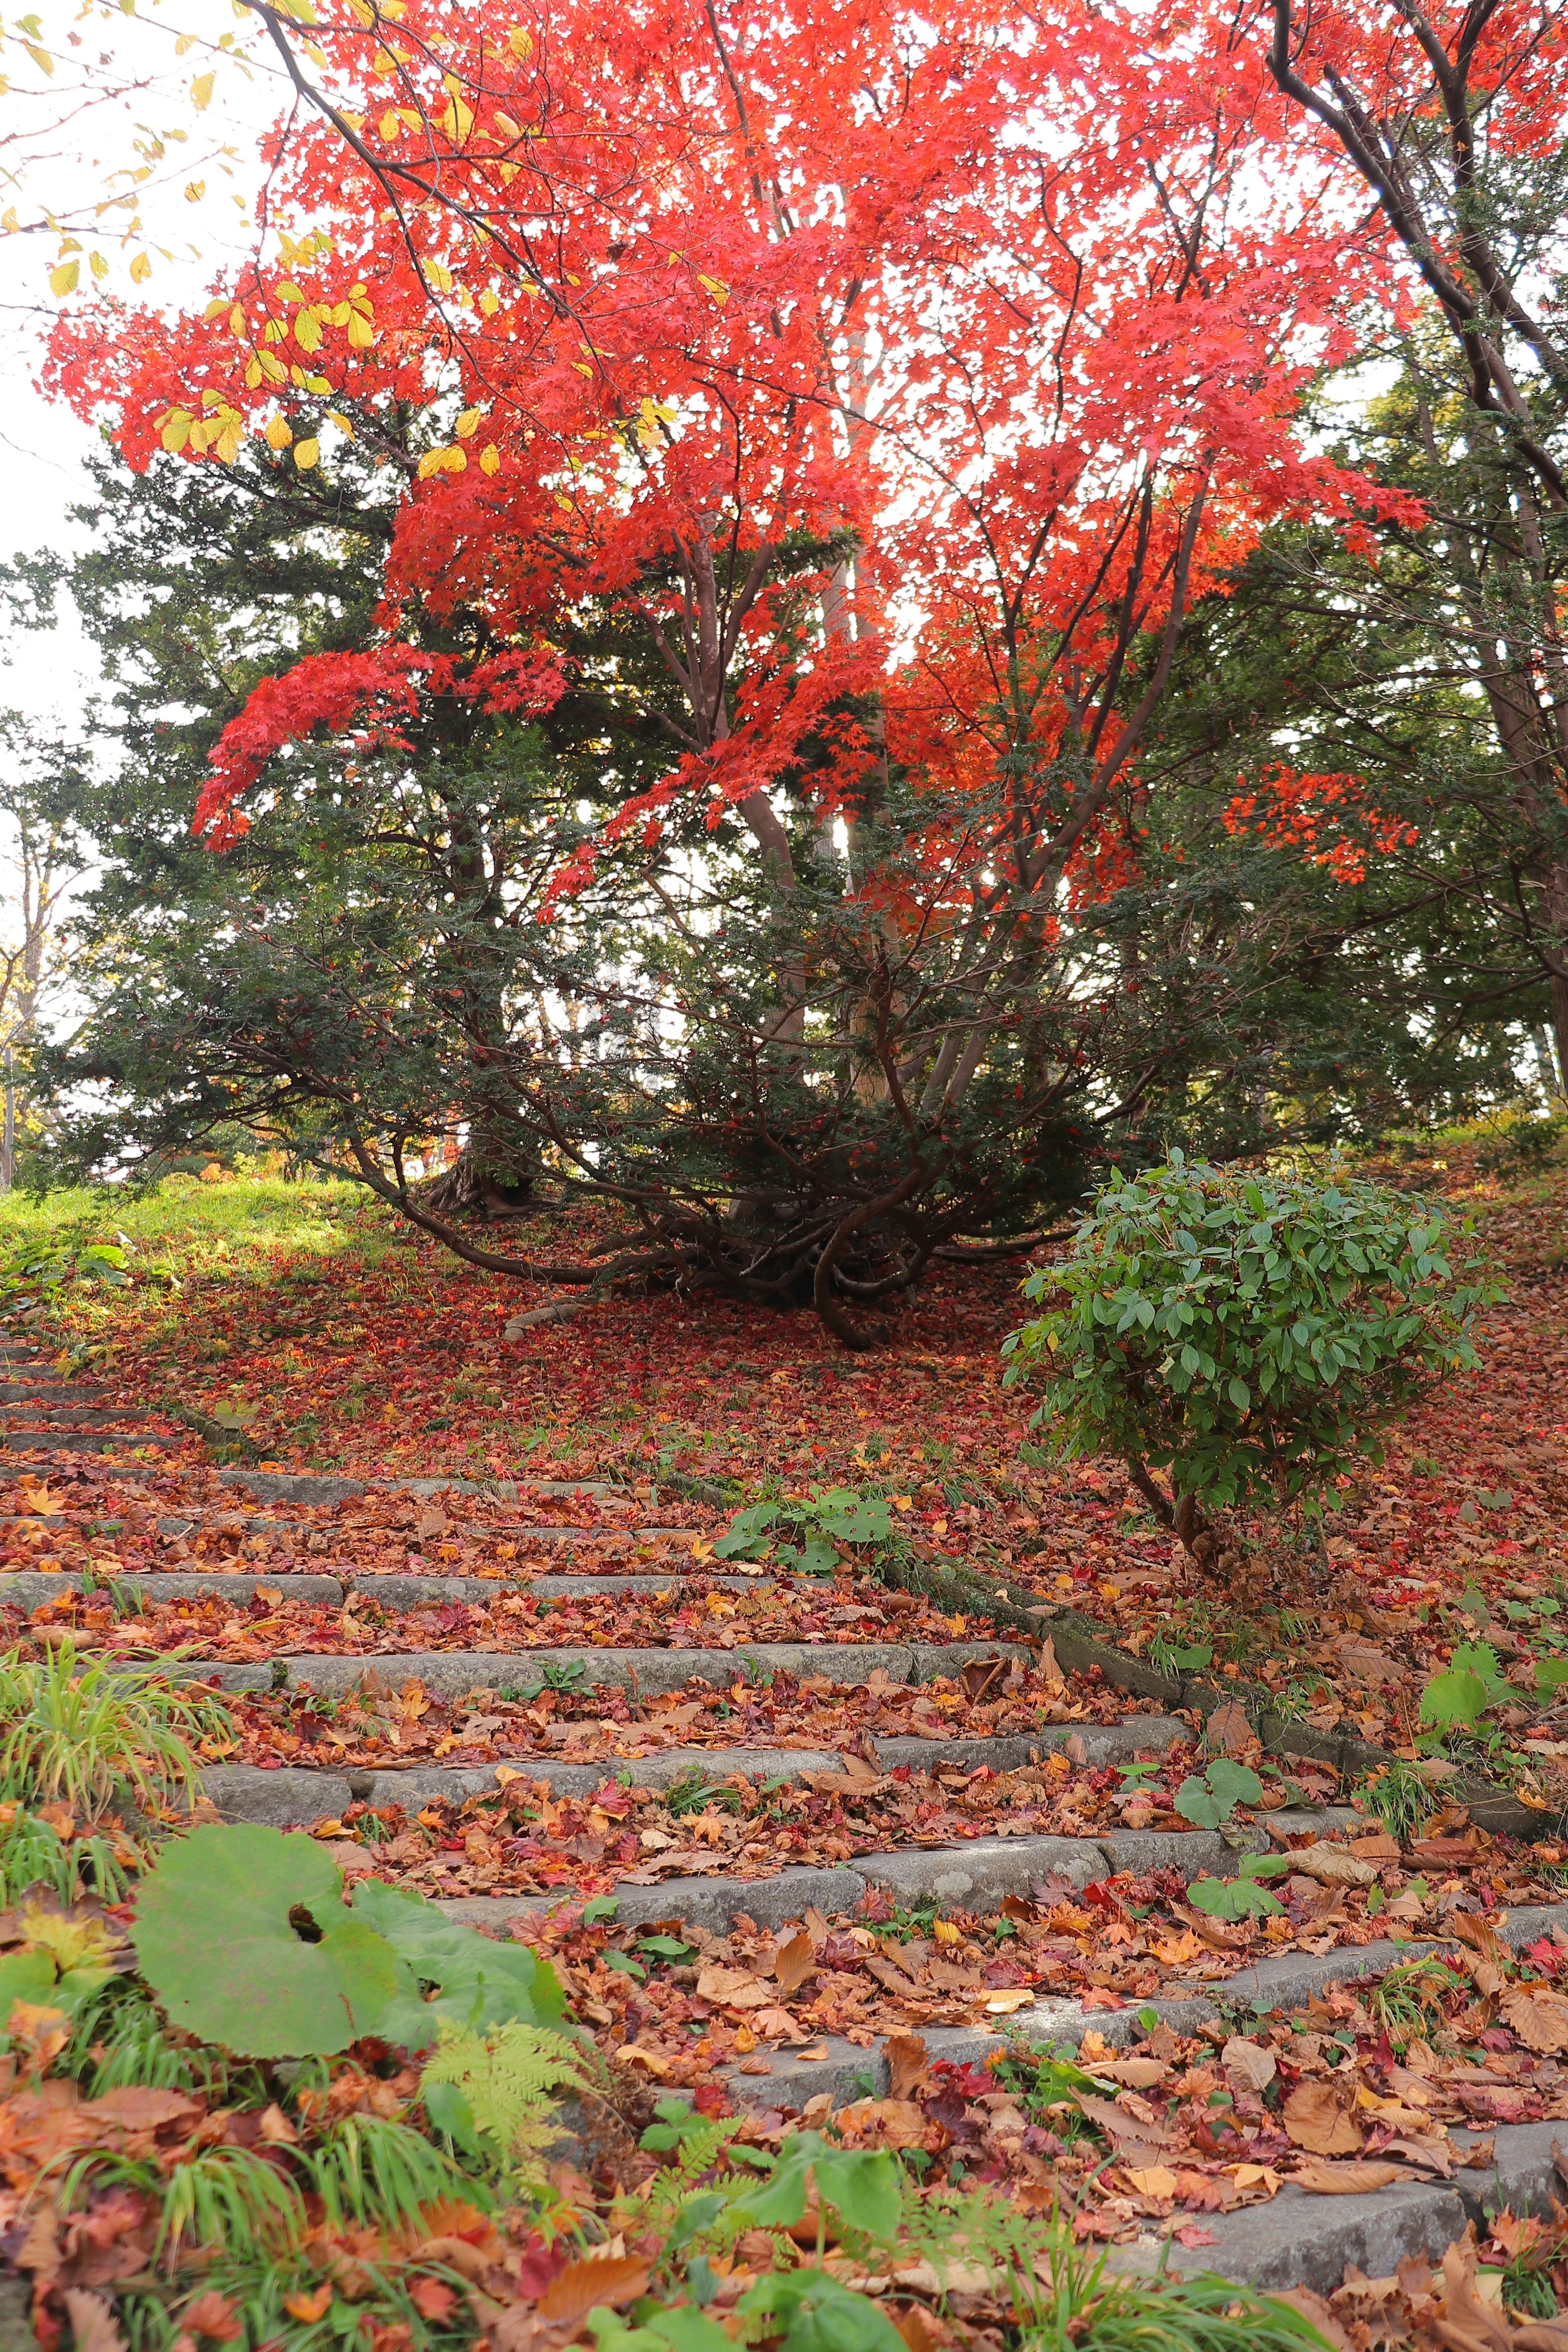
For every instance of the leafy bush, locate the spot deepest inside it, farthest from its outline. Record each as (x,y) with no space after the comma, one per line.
(1248,1334)
(818,1523)
(35,1266)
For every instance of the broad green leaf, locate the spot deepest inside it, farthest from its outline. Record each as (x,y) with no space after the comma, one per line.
(475,1983)
(229,1936)
(809,2311)
(1457,1698)
(1233,1898)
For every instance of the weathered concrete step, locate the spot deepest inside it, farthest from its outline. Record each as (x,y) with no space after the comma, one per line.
(176,1529)
(452,1674)
(1053,2019)
(28,1588)
(70,1416)
(975,1874)
(250,1792)
(307,1487)
(58,1441)
(394,1589)
(52,1392)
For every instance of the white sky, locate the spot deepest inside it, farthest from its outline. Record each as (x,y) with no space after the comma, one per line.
(42,444)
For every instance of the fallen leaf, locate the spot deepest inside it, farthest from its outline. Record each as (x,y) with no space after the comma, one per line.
(1229,1730)
(794,1963)
(1316,2312)
(1467,2321)
(432,2299)
(1001,2004)
(308,2308)
(1321,2178)
(1249,2062)
(93,2327)
(212,2314)
(954,2278)
(1538,2017)
(1153,2181)
(1315,2118)
(137,2108)
(1333,1865)
(1133,2073)
(583,2286)
(732,1988)
(908,2063)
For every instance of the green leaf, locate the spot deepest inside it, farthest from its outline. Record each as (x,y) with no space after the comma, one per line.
(1233,1784)
(1197,1803)
(1241,1395)
(863,2190)
(811,2312)
(1233,1898)
(687,2329)
(602,1908)
(25,1976)
(665,1947)
(1265,1866)
(449,2112)
(477,1984)
(217,1941)
(1455,1699)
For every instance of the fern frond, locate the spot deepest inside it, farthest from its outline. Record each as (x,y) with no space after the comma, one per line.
(511,2079)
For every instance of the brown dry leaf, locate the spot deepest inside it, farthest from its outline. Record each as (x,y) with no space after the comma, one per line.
(1315,2118)
(917,2331)
(1133,2073)
(93,2327)
(136,2108)
(1229,1730)
(732,1988)
(1378,1847)
(774,2025)
(795,1963)
(1249,2062)
(1316,2312)
(308,2308)
(597,2279)
(897,2123)
(1333,1865)
(1542,2335)
(1538,2015)
(908,2061)
(1321,2178)
(1125,2130)
(1465,2323)
(954,2278)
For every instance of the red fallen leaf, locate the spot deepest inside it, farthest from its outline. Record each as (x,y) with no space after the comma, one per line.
(540,2264)
(1191,2234)
(432,2298)
(212,2314)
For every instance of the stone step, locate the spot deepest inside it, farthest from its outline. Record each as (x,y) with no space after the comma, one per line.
(976,1875)
(392,1587)
(453,1673)
(56,1441)
(1287,1982)
(50,1391)
(66,1416)
(28,1588)
(307,1487)
(296,1795)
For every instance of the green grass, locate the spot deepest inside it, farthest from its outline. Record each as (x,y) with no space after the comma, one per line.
(182,1226)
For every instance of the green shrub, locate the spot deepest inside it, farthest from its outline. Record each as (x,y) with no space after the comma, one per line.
(1248,1334)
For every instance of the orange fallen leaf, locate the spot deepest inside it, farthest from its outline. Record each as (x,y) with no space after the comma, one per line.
(598,2280)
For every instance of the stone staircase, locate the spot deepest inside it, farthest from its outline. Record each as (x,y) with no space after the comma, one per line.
(975,1876)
